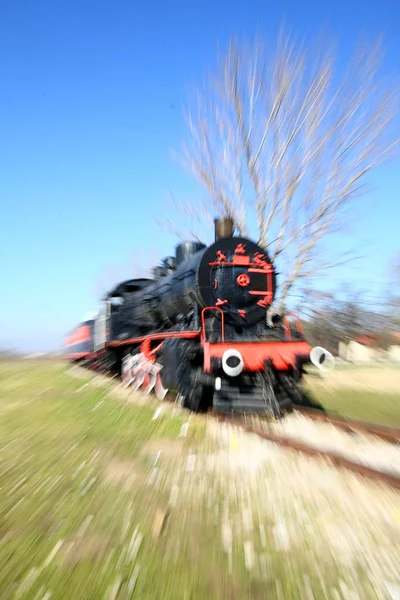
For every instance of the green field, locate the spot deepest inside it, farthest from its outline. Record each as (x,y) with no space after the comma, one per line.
(67,453)
(89,510)
(366,393)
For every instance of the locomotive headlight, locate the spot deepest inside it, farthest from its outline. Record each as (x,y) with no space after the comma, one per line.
(322,359)
(232,362)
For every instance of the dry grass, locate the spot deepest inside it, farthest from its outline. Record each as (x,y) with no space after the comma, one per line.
(375,380)
(366,393)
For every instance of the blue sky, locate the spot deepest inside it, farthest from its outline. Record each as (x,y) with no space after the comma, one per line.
(90,107)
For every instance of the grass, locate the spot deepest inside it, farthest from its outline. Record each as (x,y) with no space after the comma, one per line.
(369,394)
(57,438)
(82,485)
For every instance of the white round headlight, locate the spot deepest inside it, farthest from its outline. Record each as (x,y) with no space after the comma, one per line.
(232,362)
(322,359)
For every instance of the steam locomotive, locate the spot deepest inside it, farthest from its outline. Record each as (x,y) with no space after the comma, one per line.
(200,330)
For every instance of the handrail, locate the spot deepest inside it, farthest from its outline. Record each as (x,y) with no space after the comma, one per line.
(286,325)
(203,325)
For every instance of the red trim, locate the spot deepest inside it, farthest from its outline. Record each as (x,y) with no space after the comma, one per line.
(203,324)
(241,260)
(264,302)
(78,336)
(266,269)
(240,249)
(235,263)
(286,324)
(243,280)
(260,260)
(155,350)
(282,354)
(260,293)
(220,302)
(221,256)
(77,355)
(187,335)
(207,357)
(259,265)
(145,347)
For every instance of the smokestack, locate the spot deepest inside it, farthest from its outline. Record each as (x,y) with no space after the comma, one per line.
(223,228)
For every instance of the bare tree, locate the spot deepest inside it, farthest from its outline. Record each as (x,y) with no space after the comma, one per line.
(191,219)
(392,305)
(281,140)
(345,315)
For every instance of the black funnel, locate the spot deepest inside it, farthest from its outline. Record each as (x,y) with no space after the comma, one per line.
(223,228)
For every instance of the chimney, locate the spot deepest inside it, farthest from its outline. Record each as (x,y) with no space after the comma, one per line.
(223,228)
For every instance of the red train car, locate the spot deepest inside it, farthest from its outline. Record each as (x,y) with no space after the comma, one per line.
(79,343)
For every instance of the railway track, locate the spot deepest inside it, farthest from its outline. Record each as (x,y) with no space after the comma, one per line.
(351,426)
(255,426)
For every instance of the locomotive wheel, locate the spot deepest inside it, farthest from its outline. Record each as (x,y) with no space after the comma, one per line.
(197,398)
(180,400)
(159,389)
(192,393)
(268,387)
(126,368)
(289,392)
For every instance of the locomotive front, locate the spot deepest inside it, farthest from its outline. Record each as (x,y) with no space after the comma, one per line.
(233,274)
(199,329)
(224,291)
(236,275)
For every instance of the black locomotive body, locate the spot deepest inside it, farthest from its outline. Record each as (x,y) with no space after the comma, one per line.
(199,329)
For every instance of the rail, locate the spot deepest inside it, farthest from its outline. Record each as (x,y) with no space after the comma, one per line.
(203,324)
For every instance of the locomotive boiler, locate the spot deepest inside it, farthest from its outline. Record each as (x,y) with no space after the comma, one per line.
(199,329)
